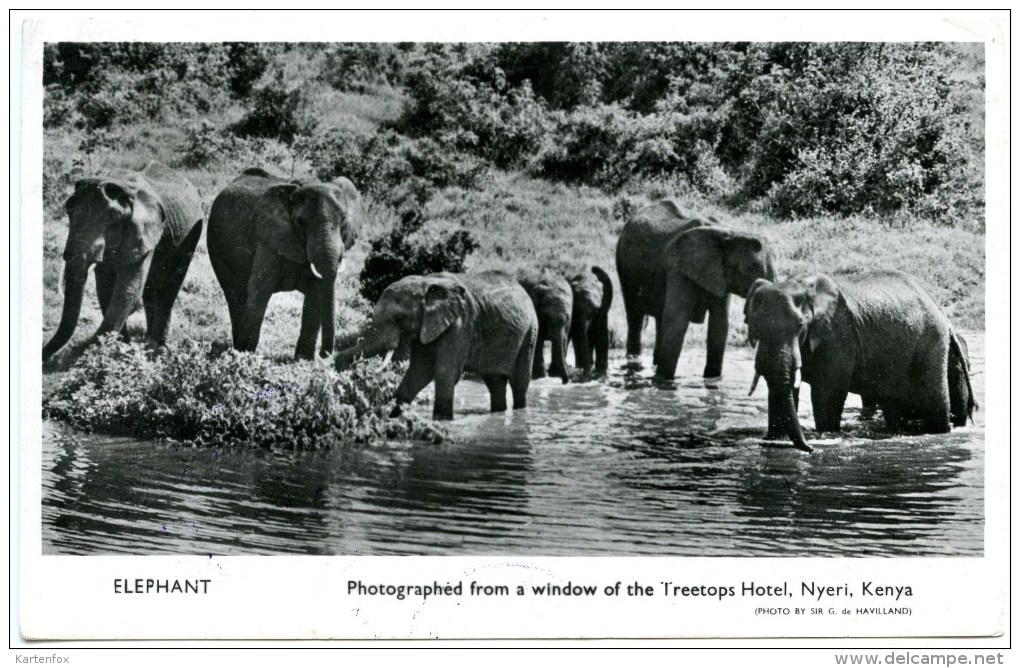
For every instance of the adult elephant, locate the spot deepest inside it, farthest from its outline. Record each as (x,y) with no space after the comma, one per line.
(879,335)
(484,323)
(269,235)
(589,322)
(139,229)
(677,266)
(553,299)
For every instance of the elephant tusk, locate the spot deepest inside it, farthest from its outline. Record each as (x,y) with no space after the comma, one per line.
(754,383)
(315,272)
(343,266)
(796,378)
(387,358)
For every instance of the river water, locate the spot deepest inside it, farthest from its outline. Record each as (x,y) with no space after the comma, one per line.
(612,468)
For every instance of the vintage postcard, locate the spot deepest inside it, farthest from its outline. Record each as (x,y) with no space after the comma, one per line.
(514,325)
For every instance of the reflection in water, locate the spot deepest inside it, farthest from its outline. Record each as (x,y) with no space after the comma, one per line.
(618,467)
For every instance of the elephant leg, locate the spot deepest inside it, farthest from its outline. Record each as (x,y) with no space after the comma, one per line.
(106,279)
(869,405)
(599,335)
(558,366)
(935,413)
(635,321)
(497,391)
(309,329)
(893,414)
(235,306)
(718,331)
(127,293)
(419,374)
(670,337)
(538,363)
(167,276)
(261,286)
(446,378)
(827,403)
(520,379)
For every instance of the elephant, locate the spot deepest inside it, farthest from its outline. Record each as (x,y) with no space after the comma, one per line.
(879,335)
(140,230)
(677,266)
(483,323)
(589,322)
(553,299)
(269,235)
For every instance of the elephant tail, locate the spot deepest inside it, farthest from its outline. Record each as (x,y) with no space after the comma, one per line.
(607,288)
(959,349)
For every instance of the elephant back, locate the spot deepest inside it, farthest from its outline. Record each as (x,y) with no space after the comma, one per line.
(546,288)
(179,197)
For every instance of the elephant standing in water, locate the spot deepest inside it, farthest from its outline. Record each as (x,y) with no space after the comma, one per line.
(879,335)
(676,267)
(553,300)
(589,322)
(269,235)
(484,323)
(140,229)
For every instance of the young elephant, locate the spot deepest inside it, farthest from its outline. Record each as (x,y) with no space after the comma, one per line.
(678,267)
(553,300)
(483,323)
(269,235)
(140,229)
(589,322)
(879,335)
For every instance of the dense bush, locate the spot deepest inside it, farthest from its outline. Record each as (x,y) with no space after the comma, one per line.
(277,111)
(185,394)
(390,167)
(100,85)
(797,128)
(359,66)
(403,252)
(206,145)
(470,106)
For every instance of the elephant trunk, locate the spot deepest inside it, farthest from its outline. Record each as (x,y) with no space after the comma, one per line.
(372,342)
(782,402)
(75,275)
(327,315)
(780,365)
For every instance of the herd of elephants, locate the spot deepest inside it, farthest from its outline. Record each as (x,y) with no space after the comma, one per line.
(879,335)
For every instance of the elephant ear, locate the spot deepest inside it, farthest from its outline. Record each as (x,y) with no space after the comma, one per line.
(821,297)
(445,304)
(750,307)
(700,255)
(350,201)
(142,231)
(274,225)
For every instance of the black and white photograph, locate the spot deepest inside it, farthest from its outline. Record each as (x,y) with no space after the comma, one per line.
(674,303)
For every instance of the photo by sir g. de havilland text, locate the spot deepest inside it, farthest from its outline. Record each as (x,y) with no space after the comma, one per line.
(510,298)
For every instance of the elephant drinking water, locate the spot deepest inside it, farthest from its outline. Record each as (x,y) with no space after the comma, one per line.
(879,335)
(269,235)
(483,323)
(139,229)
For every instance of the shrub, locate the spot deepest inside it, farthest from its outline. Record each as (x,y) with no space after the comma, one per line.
(185,394)
(469,107)
(396,255)
(390,167)
(357,66)
(278,112)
